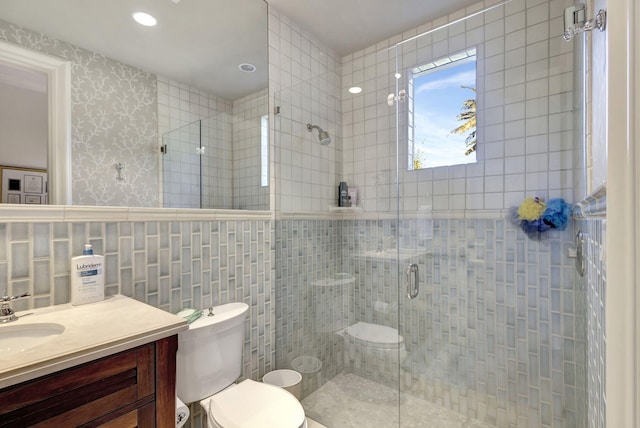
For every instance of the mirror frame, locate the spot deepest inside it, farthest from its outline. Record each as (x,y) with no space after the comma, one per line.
(58,73)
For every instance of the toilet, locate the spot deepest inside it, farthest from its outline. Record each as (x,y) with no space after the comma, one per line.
(209,361)
(381,340)
(373,348)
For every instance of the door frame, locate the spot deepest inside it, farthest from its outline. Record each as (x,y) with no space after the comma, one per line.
(58,74)
(623,194)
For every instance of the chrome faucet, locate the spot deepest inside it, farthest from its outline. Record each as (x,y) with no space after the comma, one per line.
(6,313)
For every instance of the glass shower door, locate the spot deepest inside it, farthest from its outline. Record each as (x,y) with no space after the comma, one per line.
(181,166)
(492,334)
(426,304)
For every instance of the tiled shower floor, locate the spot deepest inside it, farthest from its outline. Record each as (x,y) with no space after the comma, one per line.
(348,401)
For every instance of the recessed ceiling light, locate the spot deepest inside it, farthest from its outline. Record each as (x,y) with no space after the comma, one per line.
(247,68)
(355,89)
(145,19)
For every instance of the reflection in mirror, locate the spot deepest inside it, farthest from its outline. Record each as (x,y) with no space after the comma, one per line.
(217,161)
(23,135)
(137,93)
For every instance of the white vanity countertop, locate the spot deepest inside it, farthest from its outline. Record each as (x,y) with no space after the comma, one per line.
(91,331)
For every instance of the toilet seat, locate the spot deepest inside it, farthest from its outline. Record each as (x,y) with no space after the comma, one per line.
(375,335)
(252,404)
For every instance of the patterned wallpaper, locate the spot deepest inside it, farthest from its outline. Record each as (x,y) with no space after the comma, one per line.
(113,120)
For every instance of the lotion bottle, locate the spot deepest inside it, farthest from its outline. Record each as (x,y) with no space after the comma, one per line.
(87,277)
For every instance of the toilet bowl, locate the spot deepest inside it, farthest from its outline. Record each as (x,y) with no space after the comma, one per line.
(251,404)
(209,361)
(373,348)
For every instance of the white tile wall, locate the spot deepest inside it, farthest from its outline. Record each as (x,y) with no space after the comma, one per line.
(228,173)
(304,76)
(247,115)
(596,280)
(524,103)
(181,167)
(180,105)
(217,171)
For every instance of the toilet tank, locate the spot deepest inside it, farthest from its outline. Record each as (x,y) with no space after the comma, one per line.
(209,354)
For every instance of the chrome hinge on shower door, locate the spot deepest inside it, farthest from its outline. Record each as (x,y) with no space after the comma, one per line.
(391,99)
(413,286)
(576,22)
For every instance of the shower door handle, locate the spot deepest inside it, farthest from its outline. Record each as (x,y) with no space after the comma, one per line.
(413,286)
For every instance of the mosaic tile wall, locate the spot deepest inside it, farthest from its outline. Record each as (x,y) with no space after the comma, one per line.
(169,265)
(593,318)
(306,253)
(493,334)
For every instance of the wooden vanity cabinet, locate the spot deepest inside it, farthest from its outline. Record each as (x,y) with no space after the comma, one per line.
(133,388)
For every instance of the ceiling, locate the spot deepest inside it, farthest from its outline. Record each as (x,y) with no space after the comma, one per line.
(202,42)
(199,42)
(347,26)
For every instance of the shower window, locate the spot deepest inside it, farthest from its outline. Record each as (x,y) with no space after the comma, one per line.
(442,112)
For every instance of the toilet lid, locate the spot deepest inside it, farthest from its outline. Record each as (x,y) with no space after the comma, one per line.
(251,404)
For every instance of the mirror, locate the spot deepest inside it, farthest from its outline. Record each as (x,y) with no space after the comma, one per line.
(172,115)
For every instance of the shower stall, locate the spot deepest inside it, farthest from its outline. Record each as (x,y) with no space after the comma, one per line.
(220,161)
(428,303)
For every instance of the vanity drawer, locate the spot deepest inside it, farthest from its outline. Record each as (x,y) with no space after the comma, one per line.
(137,418)
(113,386)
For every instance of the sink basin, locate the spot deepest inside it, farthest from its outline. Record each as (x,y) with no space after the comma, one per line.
(18,338)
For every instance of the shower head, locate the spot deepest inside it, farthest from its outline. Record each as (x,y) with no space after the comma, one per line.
(323,136)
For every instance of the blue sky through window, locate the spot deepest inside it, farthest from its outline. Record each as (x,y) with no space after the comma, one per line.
(438,99)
